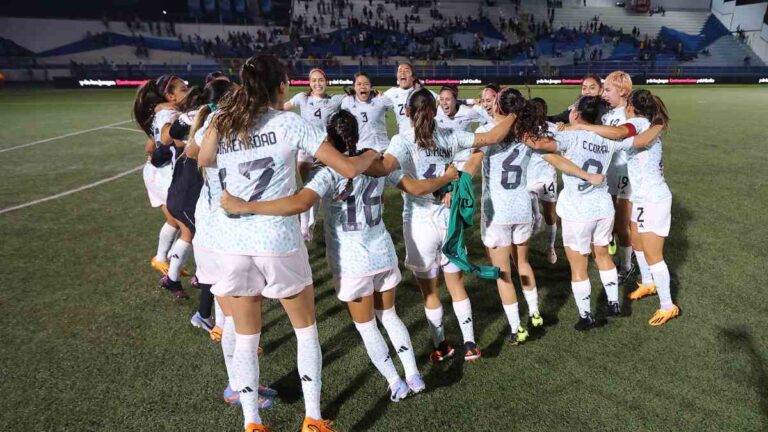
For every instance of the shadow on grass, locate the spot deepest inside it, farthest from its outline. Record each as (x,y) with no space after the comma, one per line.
(738,340)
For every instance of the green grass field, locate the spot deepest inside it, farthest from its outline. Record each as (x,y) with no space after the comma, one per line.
(90,343)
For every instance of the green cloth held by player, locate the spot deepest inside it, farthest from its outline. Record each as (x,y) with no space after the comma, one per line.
(462,210)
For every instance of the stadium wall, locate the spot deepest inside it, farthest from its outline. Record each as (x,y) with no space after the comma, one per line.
(42,34)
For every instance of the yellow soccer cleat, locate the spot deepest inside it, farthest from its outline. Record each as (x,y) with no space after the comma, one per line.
(643,291)
(312,425)
(662,316)
(253,427)
(162,267)
(215,334)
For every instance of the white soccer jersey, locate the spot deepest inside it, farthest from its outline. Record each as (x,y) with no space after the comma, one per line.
(162,118)
(485,118)
(540,170)
(209,201)
(421,164)
(263,168)
(462,121)
(316,110)
(356,241)
(646,168)
(399,97)
(580,201)
(506,200)
(371,120)
(614,117)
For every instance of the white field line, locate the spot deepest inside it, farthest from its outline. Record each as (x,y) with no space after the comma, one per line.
(126,129)
(71,191)
(63,136)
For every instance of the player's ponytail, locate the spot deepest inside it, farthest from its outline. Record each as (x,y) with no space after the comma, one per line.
(343,131)
(261,77)
(212,94)
(649,106)
(148,97)
(423,108)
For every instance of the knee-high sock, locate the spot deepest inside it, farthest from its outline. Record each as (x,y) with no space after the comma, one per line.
(245,364)
(164,241)
(309,360)
(378,351)
(228,342)
(532,299)
(179,253)
(513,316)
(662,280)
(645,271)
(610,280)
(582,293)
(463,311)
(435,320)
(400,338)
(219,314)
(552,233)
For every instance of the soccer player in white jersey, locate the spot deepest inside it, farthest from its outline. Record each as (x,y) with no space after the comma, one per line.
(451,115)
(155,108)
(316,107)
(506,220)
(617,87)
(587,210)
(370,113)
(206,260)
(542,186)
(359,250)
(651,199)
(423,151)
(254,143)
(406,80)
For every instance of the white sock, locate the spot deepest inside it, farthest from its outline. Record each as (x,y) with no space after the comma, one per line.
(552,231)
(513,316)
(378,351)
(532,298)
(228,342)
(582,292)
(218,313)
(435,320)
(463,311)
(309,360)
(661,278)
(245,364)
(164,241)
(400,338)
(610,280)
(626,257)
(179,253)
(536,210)
(645,270)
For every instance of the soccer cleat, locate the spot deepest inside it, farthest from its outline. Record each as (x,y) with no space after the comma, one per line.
(471,352)
(518,337)
(416,384)
(161,266)
(202,323)
(215,334)
(174,287)
(625,274)
(613,309)
(536,320)
(551,255)
(267,391)
(312,425)
(442,352)
(662,316)
(399,391)
(643,290)
(253,427)
(612,246)
(587,322)
(230,396)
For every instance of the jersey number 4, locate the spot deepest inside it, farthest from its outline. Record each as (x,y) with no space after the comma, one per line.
(318,114)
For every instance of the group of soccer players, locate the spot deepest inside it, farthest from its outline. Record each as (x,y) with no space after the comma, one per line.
(222,165)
